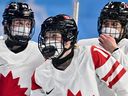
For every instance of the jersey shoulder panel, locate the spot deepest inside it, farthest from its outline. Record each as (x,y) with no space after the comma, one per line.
(88,42)
(33,47)
(123,42)
(99,56)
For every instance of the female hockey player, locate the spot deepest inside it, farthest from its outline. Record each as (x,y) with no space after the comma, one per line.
(71,70)
(18,55)
(113,35)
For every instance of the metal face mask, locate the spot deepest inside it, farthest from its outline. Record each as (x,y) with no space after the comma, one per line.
(53,45)
(20,27)
(20,31)
(112,28)
(110,31)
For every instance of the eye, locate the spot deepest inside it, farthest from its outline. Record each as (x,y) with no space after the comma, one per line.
(54,35)
(105,23)
(28,23)
(46,38)
(114,24)
(16,22)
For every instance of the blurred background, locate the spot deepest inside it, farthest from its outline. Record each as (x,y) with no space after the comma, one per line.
(89,11)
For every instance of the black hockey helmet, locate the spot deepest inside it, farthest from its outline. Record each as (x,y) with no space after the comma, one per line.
(17,10)
(61,22)
(64,24)
(115,11)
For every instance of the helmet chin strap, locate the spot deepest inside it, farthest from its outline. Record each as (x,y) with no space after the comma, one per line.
(65,50)
(15,46)
(17,42)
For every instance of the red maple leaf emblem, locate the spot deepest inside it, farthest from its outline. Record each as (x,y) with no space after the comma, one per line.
(9,86)
(71,94)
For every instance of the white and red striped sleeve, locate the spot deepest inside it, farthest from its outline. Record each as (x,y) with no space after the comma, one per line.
(110,71)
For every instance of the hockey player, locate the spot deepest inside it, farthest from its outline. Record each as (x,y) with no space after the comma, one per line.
(18,55)
(112,27)
(71,70)
(113,34)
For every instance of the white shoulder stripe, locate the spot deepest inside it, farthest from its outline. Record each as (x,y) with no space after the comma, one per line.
(104,69)
(105,55)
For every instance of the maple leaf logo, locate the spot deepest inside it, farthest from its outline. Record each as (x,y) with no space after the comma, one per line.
(10,87)
(71,94)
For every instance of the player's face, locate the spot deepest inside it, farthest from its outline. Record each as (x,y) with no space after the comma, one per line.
(112,24)
(21,22)
(112,27)
(56,37)
(20,27)
(53,43)
(53,35)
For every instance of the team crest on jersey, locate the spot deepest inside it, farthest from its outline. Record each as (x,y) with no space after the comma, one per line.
(9,86)
(71,94)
